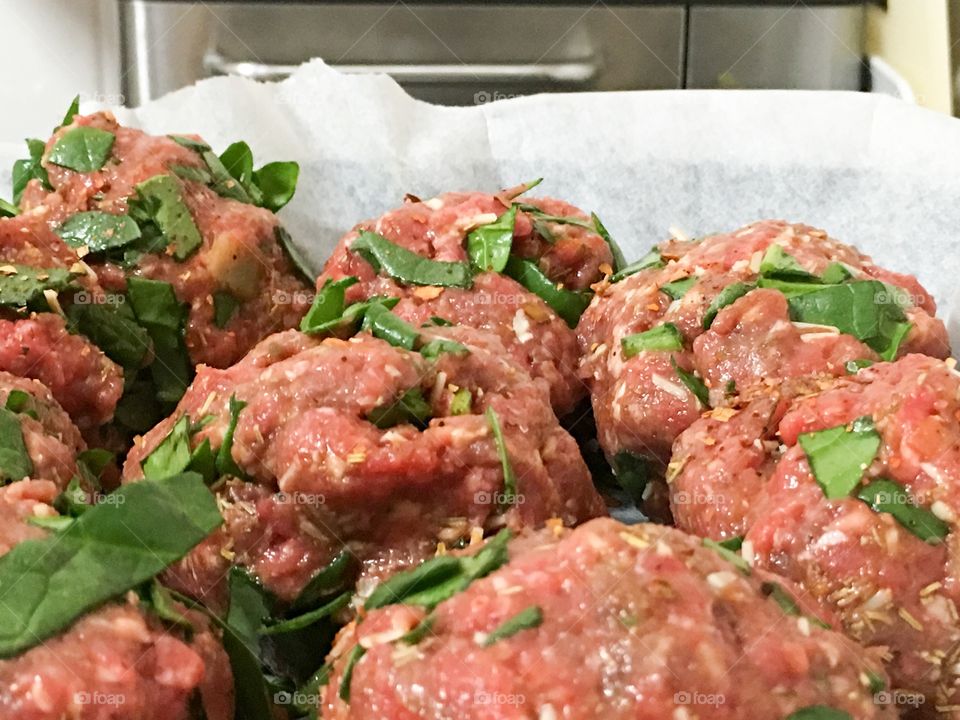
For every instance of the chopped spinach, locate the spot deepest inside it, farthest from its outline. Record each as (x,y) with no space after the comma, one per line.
(410,408)
(527,619)
(489,245)
(509,476)
(83,149)
(652,260)
(693,382)
(728,296)
(15,463)
(22,285)
(568,304)
(98,231)
(839,456)
(160,200)
(408,267)
(662,338)
(30,169)
(887,496)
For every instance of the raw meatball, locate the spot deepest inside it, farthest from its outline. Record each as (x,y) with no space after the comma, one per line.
(117,663)
(642,403)
(574,256)
(240,254)
(746,473)
(322,476)
(609,621)
(37,344)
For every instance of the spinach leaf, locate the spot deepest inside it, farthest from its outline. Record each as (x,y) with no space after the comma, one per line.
(732,543)
(161,602)
(867,310)
(731,556)
(777,263)
(424,628)
(30,169)
(818,712)
(436,347)
(693,382)
(328,305)
(728,296)
(509,477)
(22,402)
(22,285)
(356,652)
(382,323)
(83,149)
(442,577)
(619,260)
(226,465)
(568,304)
(854,366)
(652,260)
(194,174)
(241,640)
(109,549)
(294,255)
(98,231)
(309,618)
(71,113)
(277,182)
(225,306)
(527,619)
(786,602)
(489,245)
(410,408)
(661,338)
(159,312)
(15,463)
(161,201)
(839,456)
(8,209)
(887,496)
(112,330)
(678,288)
(408,267)
(633,472)
(173,455)
(328,580)
(835,274)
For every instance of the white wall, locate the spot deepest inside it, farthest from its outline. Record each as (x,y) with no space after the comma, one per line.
(52,50)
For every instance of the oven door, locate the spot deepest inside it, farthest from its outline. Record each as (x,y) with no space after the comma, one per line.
(445,53)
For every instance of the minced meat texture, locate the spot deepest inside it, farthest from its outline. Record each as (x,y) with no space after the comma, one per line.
(116,663)
(322,475)
(748,474)
(240,254)
(642,403)
(574,256)
(605,621)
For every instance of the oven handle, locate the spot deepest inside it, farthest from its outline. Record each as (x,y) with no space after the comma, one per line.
(578,72)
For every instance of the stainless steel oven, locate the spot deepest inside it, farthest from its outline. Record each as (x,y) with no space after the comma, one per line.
(468,52)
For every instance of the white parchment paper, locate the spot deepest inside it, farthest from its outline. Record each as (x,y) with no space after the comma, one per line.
(871,170)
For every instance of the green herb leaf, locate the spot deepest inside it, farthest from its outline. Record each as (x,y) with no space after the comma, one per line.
(509,477)
(162,604)
(733,543)
(30,169)
(410,408)
(777,263)
(53,523)
(225,306)
(328,580)
(839,456)
(112,330)
(854,366)
(434,348)
(98,231)
(678,288)
(241,640)
(787,603)
(381,323)
(568,304)
(161,200)
(83,149)
(527,619)
(278,183)
(633,472)
(693,382)
(71,113)
(423,628)
(652,260)
(835,274)
(353,658)
(296,258)
(440,578)
(226,465)
(15,463)
(328,305)
(887,496)
(818,712)
(728,296)
(462,402)
(159,312)
(867,310)
(8,209)
(194,174)
(111,548)
(25,285)
(489,245)
(309,618)
(408,267)
(619,260)
(172,456)
(731,556)
(20,401)
(662,338)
